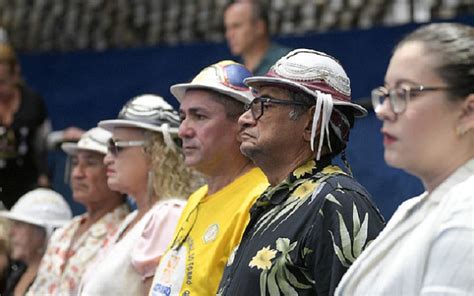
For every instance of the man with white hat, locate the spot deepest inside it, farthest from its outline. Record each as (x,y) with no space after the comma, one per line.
(33,218)
(73,247)
(314,219)
(215,216)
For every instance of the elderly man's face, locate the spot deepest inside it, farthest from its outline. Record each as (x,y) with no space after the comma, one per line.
(88,178)
(209,136)
(274,133)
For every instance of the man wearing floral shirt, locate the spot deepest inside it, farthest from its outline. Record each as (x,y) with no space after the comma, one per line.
(312,222)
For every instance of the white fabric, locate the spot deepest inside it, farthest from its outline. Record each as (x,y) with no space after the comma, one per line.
(427,247)
(324,105)
(113,273)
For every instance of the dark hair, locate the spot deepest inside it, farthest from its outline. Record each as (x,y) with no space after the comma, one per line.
(259,10)
(337,145)
(232,107)
(453,44)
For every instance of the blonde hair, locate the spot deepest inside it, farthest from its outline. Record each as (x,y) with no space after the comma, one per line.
(8,56)
(171,178)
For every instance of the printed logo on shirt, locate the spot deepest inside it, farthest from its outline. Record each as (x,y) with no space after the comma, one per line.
(211,233)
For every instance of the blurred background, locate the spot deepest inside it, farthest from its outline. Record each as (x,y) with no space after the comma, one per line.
(88,57)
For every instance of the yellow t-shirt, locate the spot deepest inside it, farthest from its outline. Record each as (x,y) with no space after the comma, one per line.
(210,227)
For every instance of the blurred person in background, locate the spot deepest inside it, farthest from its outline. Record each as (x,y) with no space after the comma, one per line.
(427,109)
(216,214)
(248,35)
(145,162)
(33,219)
(72,248)
(23,130)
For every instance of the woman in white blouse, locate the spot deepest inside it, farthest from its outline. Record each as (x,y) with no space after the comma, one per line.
(427,109)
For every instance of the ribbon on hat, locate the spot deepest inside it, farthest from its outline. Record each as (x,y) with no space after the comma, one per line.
(165,129)
(324,106)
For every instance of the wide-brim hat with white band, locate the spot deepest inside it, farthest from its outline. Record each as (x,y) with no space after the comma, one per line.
(225,77)
(310,71)
(320,76)
(95,140)
(42,207)
(150,112)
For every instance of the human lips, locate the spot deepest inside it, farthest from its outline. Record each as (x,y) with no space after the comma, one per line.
(110,172)
(188,147)
(388,139)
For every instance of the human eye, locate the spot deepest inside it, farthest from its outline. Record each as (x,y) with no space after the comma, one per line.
(74,161)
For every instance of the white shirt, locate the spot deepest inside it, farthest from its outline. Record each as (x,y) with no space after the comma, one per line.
(427,248)
(113,272)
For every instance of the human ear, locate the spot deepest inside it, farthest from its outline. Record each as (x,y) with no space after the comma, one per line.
(309,115)
(466,120)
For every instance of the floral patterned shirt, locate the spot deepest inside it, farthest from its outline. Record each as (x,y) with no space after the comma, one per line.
(63,264)
(303,234)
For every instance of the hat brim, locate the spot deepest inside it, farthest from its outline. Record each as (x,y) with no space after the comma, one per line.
(29,220)
(259,81)
(73,148)
(179,90)
(114,123)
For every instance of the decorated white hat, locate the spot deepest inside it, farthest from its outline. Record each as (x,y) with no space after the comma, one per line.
(225,77)
(320,76)
(149,112)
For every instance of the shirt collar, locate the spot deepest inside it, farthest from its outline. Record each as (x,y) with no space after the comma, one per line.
(298,176)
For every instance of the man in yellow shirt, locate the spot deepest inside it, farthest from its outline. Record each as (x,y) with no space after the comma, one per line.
(215,216)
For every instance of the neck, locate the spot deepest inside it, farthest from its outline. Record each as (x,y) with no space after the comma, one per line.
(432,178)
(95,212)
(254,55)
(277,168)
(226,175)
(145,202)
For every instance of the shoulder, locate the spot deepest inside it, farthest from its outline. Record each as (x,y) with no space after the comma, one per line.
(279,49)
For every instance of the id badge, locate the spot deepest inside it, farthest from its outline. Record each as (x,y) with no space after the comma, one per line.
(170,275)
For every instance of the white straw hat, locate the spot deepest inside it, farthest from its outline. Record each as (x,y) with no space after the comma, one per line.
(42,207)
(95,139)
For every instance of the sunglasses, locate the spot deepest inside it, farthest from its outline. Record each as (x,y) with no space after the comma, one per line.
(114,147)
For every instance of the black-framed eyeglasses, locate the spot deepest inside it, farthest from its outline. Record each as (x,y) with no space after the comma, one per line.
(257,105)
(114,147)
(398,97)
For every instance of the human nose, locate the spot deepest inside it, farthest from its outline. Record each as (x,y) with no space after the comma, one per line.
(108,158)
(77,170)
(246,120)
(384,111)
(185,129)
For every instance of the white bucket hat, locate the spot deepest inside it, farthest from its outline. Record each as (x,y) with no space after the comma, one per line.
(95,139)
(149,112)
(42,207)
(225,77)
(318,75)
